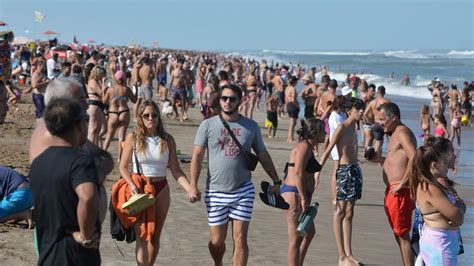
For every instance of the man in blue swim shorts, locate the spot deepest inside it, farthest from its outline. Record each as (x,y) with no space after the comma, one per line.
(161,75)
(178,89)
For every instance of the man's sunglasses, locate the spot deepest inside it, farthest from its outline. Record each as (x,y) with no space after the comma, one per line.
(232,98)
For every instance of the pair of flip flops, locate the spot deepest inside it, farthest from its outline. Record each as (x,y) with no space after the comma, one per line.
(272,199)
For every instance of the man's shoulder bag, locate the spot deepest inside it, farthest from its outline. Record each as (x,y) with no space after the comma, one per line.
(250,159)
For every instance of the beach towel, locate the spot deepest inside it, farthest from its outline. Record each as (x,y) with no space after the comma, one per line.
(121,193)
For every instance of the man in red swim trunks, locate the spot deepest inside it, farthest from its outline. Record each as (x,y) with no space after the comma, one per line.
(400,153)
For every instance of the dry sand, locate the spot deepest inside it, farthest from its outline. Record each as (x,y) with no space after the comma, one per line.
(185,235)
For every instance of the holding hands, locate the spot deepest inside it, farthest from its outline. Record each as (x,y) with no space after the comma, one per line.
(194,194)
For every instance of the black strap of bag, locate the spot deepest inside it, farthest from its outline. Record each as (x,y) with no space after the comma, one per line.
(250,159)
(226,125)
(137,164)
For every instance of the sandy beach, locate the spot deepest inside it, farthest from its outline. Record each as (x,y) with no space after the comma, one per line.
(185,235)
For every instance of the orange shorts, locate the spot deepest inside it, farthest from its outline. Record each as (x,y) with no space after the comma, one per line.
(399,209)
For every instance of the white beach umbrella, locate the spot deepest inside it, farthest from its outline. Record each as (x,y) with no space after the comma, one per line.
(20,40)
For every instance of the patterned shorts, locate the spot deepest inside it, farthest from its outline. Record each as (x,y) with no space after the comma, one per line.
(179,93)
(223,206)
(349,182)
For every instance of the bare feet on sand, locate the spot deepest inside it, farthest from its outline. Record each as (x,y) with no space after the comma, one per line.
(348,261)
(25,215)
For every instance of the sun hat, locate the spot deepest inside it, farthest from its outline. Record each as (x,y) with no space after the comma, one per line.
(306,77)
(346,90)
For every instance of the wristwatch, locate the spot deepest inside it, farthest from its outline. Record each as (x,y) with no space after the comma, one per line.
(279,182)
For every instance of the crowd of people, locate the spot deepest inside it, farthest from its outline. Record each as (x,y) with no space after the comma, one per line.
(83,99)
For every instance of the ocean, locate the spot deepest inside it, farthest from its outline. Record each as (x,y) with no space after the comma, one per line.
(421,66)
(376,66)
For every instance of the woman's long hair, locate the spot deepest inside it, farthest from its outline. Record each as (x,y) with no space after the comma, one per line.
(309,128)
(425,155)
(97,73)
(140,130)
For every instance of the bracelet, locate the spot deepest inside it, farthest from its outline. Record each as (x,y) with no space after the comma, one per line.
(85,242)
(279,182)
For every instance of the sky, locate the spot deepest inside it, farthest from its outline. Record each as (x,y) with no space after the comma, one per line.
(232,25)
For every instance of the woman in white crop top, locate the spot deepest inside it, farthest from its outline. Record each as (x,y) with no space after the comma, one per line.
(155,150)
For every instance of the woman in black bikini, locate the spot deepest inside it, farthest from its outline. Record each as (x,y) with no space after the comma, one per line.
(119,114)
(251,83)
(299,184)
(95,90)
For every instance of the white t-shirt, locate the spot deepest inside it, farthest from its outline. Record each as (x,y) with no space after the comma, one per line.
(53,68)
(335,119)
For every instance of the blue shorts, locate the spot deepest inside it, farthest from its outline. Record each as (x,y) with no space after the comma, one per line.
(16,202)
(161,78)
(38,100)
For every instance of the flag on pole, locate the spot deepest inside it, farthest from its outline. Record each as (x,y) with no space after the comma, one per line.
(75,40)
(39,17)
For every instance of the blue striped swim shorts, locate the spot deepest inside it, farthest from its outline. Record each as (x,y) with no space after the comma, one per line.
(237,204)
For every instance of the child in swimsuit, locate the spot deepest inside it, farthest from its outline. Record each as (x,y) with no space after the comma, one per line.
(440,129)
(442,209)
(456,124)
(425,121)
(271,105)
(14,95)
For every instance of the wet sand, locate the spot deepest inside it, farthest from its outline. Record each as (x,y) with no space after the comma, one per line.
(185,235)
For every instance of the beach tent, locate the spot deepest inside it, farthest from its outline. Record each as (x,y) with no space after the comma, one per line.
(62,54)
(6,36)
(63,47)
(22,40)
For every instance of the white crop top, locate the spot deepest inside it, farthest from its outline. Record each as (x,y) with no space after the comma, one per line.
(152,163)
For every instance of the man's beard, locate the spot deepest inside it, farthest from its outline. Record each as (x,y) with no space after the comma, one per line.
(232,111)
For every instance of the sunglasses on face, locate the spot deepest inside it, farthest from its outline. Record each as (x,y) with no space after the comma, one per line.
(150,115)
(231,98)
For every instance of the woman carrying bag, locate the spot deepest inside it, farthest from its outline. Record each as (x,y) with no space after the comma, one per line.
(155,150)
